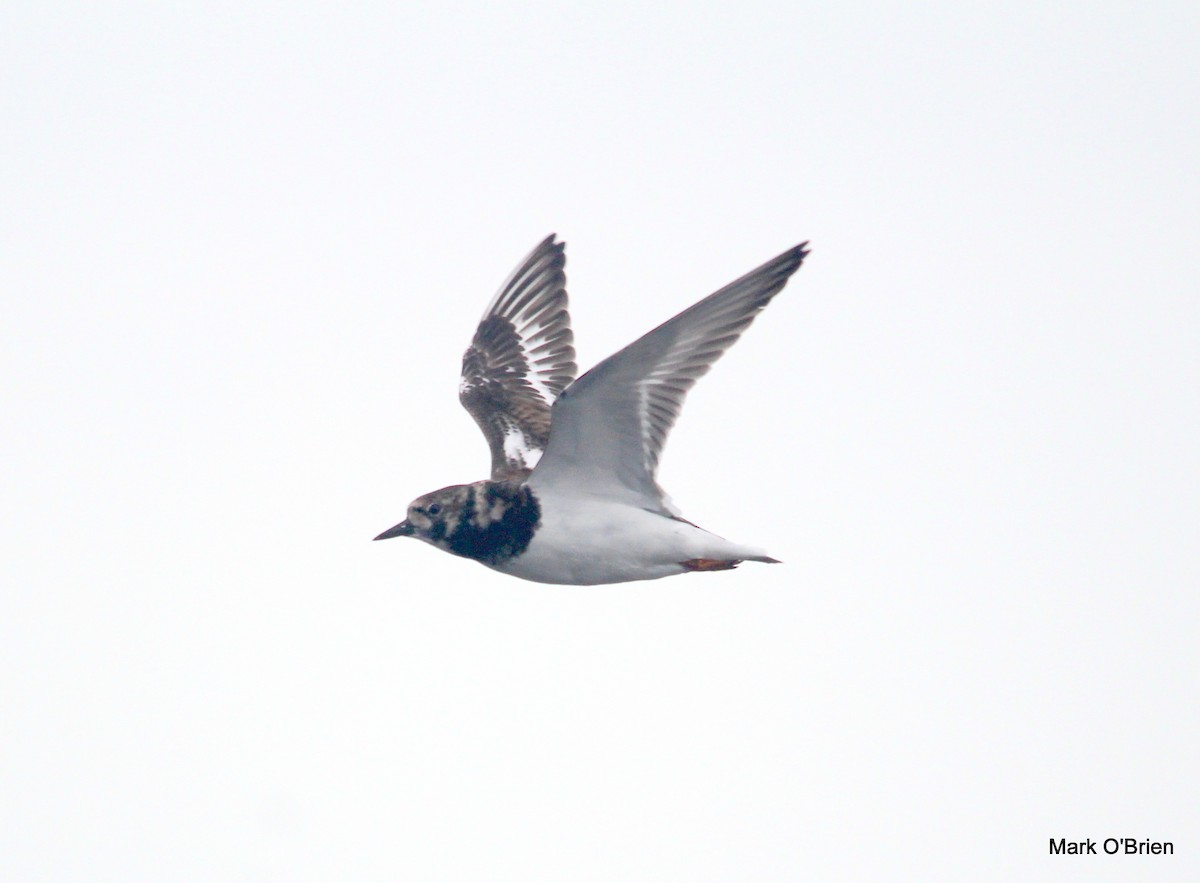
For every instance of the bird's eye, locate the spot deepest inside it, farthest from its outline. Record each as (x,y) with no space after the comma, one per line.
(434,509)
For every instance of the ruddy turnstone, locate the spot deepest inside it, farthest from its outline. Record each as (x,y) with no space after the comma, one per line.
(572,498)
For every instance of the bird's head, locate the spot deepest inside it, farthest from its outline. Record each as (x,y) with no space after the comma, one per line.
(433,517)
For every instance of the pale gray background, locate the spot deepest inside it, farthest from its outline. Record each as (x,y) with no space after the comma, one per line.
(242,249)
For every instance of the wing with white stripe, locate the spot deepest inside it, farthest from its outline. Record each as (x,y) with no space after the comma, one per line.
(609,427)
(519,361)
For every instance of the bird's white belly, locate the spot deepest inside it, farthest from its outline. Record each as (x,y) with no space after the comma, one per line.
(588,542)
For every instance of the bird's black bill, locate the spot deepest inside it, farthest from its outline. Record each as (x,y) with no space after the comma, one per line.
(403,529)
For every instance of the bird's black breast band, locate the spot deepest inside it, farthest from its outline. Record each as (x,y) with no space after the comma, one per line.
(497,522)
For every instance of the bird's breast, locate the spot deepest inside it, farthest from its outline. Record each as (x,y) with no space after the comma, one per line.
(496,524)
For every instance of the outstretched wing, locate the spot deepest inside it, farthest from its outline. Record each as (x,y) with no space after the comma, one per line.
(611,424)
(519,361)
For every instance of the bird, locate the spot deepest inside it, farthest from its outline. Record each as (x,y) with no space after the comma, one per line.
(572,498)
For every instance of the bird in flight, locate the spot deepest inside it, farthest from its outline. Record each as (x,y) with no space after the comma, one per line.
(572,497)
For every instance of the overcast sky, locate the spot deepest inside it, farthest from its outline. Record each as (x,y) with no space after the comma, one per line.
(242,248)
